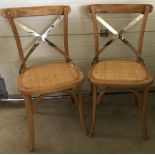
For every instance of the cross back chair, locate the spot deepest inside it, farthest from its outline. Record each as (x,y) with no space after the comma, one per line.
(47,78)
(128,74)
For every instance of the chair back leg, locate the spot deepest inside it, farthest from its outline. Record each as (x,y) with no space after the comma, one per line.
(144,114)
(81,109)
(94,102)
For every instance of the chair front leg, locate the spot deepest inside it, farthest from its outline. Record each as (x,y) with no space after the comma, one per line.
(94,102)
(81,109)
(144,113)
(29,109)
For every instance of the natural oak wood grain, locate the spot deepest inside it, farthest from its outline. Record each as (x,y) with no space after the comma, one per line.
(120,8)
(34,11)
(129,74)
(41,80)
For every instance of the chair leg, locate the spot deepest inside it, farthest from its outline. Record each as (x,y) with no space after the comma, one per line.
(143,114)
(36,103)
(94,95)
(91,92)
(73,95)
(28,104)
(81,109)
(137,97)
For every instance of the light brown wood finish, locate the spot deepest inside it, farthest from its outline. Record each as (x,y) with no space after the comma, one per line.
(132,75)
(94,103)
(119,8)
(47,78)
(29,110)
(34,11)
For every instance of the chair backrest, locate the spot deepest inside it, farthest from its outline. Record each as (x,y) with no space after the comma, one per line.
(97,9)
(62,13)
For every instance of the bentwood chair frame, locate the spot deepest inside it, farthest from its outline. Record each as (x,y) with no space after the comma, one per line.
(72,86)
(98,74)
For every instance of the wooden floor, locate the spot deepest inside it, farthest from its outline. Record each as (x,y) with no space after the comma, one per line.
(58,127)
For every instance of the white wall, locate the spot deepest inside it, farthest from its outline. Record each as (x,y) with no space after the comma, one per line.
(80,38)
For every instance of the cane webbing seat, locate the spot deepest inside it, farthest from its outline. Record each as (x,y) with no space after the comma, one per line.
(50,77)
(120,72)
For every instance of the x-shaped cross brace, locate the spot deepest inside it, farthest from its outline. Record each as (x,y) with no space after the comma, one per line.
(119,34)
(41,38)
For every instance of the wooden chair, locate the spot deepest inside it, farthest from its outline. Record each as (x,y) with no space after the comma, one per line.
(128,74)
(47,78)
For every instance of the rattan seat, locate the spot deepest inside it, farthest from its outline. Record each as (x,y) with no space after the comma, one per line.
(50,77)
(114,72)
